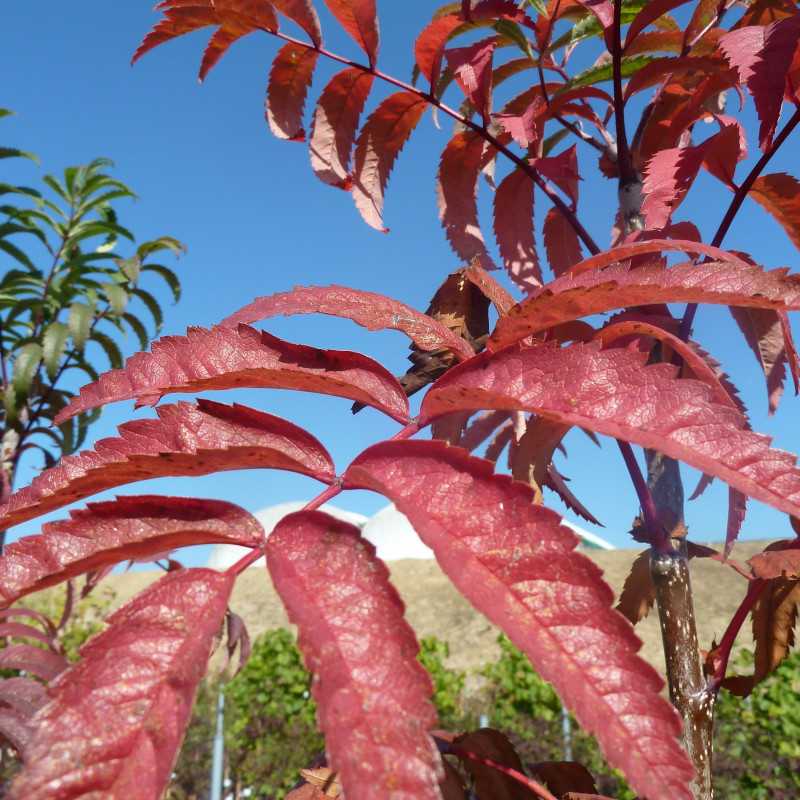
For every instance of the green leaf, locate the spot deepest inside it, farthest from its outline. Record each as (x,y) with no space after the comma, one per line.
(605,72)
(152,305)
(111,349)
(12,152)
(170,278)
(589,26)
(54,343)
(136,326)
(513,32)
(157,245)
(117,296)
(17,254)
(10,404)
(56,187)
(79,323)
(26,363)
(130,268)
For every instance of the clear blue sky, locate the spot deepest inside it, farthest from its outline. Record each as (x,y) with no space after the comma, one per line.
(256,221)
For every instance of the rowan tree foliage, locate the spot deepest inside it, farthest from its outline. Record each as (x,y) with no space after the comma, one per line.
(549,364)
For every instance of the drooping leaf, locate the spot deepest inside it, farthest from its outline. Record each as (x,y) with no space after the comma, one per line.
(612,392)
(289,80)
(115,721)
(562,170)
(373,311)
(779,195)
(561,242)
(44,664)
(598,290)
(373,695)
(224,358)
(333,129)
(184,440)
(304,14)
(517,564)
(456,190)
(378,145)
(513,227)
(472,69)
(108,533)
(359,19)
(779,560)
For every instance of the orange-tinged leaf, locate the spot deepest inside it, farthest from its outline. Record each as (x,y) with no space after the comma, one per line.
(517,564)
(184,440)
(226,358)
(561,242)
(333,129)
(499,297)
(303,13)
(107,533)
(430,44)
(513,227)
(779,195)
(779,560)
(639,592)
(372,694)
(115,720)
(359,19)
(381,139)
(289,81)
(178,21)
(648,15)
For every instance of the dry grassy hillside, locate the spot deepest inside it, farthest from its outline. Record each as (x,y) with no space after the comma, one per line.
(435,608)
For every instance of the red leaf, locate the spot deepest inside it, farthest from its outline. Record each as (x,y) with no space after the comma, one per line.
(127,528)
(472,68)
(704,13)
(490,288)
(177,22)
(561,242)
(371,310)
(762,56)
(289,81)
(728,149)
(596,291)
(648,15)
(485,754)
(513,227)
(23,695)
(15,730)
(517,565)
(522,127)
(779,194)
(456,189)
(226,358)
(379,143)
(20,631)
(116,719)
(303,13)
(44,664)
(372,693)
(781,561)
(184,440)
(333,129)
(359,19)
(562,170)
(668,177)
(481,429)
(430,44)
(613,393)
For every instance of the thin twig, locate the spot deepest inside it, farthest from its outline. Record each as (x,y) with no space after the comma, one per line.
(624,163)
(658,536)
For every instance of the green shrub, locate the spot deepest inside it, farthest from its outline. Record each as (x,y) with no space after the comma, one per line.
(448,685)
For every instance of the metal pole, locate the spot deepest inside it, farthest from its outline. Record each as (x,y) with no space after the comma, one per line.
(566,732)
(218,763)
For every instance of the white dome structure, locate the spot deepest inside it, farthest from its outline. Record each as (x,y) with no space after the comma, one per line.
(393,537)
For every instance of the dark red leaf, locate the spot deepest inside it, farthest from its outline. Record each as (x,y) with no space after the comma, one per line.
(44,664)
(561,242)
(522,127)
(598,290)
(562,170)
(24,695)
(612,392)
(513,227)
(456,189)
(359,19)
(374,311)
(762,56)
(517,565)
(472,68)
(379,143)
(304,14)
(289,80)
(227,358)
(648,15)
(779,194)
(333,129)
(184,440)
(728,149)
(19,630)
(561,777)
(704,13)
(781,560)
(115,721)
(372,693)
(490,288)
(430,44)
(237,637)
(127,528)
(489,745)
(15,730)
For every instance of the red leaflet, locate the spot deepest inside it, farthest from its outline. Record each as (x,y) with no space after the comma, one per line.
(16,730)
(728,149)
(177,21)
(782,560)
(373,695)
(561,242)
(289,80)
(226,358)
(656,71)
(648,15)
(562,170)
(575,296)
(359,19)
(333,129)
(612,392)
(379,143)
(116,719)
(304,14)
(522,127)
(23,695)
(456,189)
(44,664)
(127,528)
(430,44)
(184,440)
(490,288)
(374,311)
(513,227)
(762,56)
(481,428)
(517,565)
(702,16)
(472,68)
(668,177)
(779,194)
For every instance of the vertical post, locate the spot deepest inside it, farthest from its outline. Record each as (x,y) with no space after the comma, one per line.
(218,762)
(566,733)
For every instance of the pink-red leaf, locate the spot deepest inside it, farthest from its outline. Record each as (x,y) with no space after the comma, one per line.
(24,695)
(779,194)
(613,393)
(359,19)
(184,440)
(498,295)
(668,177)
(472,68)
(561,242)
(115,721)
(304,14)
(618,286)
(374,311)
(762,55)
(517,565)
(227,358)
(289,81)
(373,695)
(456,189)
(43,664)
(648,15)
(522,127)
(16,730)
(333,129)
(379,143)
(562,170)
(127,528)
(513,227)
